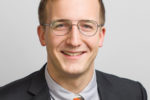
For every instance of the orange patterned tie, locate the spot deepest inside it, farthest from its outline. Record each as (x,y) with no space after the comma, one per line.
(78,98)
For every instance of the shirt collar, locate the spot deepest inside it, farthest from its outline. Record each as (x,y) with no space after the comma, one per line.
(60,93)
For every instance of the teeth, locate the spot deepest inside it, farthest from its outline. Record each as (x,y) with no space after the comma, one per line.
(72,54)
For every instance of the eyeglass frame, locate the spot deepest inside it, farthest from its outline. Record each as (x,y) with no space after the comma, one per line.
(78,21)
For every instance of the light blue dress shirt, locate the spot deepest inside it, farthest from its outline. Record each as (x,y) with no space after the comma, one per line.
(60,93)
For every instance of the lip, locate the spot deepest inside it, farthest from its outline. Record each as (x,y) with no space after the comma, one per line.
(73,55)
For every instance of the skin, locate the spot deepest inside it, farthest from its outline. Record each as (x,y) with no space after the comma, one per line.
(71,72)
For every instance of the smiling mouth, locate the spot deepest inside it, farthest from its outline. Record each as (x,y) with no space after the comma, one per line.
(73,53)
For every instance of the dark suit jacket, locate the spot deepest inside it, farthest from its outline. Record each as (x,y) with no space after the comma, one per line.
(34,87)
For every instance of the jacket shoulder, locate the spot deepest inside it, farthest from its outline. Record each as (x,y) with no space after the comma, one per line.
(17,89)
(113,79)
(122,87)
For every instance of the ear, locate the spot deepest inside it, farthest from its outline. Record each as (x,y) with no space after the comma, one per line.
(102,35)
(41,35)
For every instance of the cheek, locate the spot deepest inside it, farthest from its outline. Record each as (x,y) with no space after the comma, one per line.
(93,43)
(50,42)
(54,42)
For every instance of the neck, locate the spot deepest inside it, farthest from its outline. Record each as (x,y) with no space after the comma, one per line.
(74,83)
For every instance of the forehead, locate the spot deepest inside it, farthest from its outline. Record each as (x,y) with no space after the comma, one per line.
(73,9)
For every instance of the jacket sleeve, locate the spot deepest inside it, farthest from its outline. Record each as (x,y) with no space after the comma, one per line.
(143,92)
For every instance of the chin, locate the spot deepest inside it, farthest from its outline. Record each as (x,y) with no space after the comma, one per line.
(74,69)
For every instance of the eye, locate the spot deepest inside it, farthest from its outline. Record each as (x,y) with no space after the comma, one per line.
(87,26)
(58,26)
(61,25)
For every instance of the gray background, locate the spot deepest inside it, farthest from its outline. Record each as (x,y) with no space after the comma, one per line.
(125,52)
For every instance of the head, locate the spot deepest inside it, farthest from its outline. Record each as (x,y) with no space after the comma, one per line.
(73,53)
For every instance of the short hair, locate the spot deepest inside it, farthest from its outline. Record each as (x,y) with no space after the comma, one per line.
(43,13)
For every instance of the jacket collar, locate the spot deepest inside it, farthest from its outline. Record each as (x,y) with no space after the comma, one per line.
(38,87)
(40,91)
(105,87)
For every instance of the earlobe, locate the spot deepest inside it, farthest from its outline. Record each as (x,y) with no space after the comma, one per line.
(102,35)
(41,35)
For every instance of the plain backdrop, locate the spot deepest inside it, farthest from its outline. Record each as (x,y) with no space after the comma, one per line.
(126,50)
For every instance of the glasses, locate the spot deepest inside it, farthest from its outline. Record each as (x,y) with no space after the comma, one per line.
(63,27)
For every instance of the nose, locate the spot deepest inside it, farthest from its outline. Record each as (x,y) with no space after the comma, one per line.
(74,38)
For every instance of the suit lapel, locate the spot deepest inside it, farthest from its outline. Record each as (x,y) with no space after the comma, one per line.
(105,88)
(38,87)
(42,95)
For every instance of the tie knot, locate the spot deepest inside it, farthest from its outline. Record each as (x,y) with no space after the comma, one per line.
(78,98)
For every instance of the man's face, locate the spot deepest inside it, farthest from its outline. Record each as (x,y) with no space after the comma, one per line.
(73,53)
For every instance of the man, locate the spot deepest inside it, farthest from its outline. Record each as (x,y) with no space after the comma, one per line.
(72,31)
